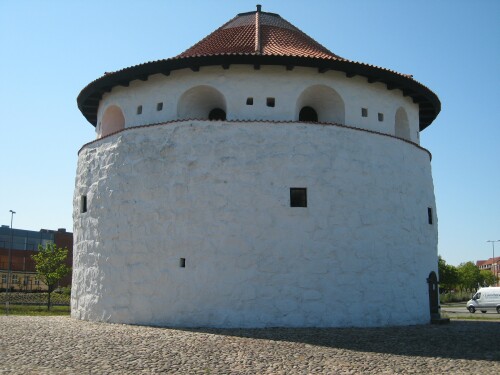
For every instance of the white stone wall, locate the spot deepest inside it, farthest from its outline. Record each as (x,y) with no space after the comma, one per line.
(217,194)
(239,82)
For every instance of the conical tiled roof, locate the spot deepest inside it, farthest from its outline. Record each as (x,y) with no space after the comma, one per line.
(259,33)
(260,38)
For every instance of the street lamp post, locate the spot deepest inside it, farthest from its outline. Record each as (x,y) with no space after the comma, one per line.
(495,270)
(9,262)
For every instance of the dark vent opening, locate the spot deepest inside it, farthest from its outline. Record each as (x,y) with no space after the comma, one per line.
(298,197)
(308,114)
(217,114)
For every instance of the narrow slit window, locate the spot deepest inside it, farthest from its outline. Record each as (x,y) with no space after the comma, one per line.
(429,215)
(139,110)
(381,117)
(159,106)
(298,197)
(249,101)
(83,204)
(182,262)
(271,102)
(364,112)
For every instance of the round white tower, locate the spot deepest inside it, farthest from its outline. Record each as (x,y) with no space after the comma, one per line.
(257,179)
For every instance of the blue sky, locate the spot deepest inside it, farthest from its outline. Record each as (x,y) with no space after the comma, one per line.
(50,50)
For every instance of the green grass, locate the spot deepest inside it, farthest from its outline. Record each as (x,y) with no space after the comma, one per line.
(475,317)
(35,310)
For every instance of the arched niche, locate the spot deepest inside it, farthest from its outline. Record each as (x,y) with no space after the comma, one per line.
(200,102)
(402,126)
(112,120)
(325,101)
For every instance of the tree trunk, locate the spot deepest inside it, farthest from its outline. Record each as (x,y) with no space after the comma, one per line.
(48,299)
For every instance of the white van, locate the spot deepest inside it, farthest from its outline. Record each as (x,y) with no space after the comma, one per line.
(485,299)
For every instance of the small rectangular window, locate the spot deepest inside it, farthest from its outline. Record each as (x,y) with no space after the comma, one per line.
(381,117)
(429,214)
(182,263)
(249,101)
(139,109)
(83,204)
(270,102)
(298,197)
(364,112)
(159,106)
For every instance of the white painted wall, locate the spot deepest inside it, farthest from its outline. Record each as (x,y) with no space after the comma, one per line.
(239,82)
(217,194)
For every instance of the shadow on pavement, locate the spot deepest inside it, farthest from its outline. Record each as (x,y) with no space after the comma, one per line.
(458,340)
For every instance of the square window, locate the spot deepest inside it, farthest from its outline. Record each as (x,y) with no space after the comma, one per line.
(429,214)
(159,106)
(139,109)
(298,197)
(83,204)
(381,117)
(270,102)
(249,101)
(364,112)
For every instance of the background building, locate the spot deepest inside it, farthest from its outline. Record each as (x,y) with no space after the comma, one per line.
(256,179)
(491,264)
(24,243)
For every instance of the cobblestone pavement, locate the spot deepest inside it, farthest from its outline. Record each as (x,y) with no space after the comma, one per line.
(61,345)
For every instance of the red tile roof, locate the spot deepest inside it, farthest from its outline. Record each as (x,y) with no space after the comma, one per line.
(488,262)
(261,34)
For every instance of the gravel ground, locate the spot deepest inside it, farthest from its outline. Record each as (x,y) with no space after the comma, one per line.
(61,345)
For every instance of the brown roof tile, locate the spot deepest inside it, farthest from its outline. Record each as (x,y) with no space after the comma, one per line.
(259,33)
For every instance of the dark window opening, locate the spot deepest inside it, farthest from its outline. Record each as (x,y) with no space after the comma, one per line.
(139,109)
(159,106)
(308,114)
(429,214)
(249,101)
(381,117)
(364,112)
(83,204)
(298,197)
(182,262)
(270,102)
(217,114)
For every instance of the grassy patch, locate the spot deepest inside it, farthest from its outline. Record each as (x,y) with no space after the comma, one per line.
(38,310)
(471,317)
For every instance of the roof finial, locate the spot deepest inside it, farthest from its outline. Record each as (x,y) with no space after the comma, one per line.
(259,7)
(258,47)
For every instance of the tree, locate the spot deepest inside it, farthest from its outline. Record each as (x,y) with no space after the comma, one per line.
(487,278)
(50,266)
(469,276)
(448,275)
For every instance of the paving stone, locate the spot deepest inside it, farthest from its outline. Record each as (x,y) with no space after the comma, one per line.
(61,345)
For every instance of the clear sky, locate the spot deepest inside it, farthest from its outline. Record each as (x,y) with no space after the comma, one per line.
(50,50)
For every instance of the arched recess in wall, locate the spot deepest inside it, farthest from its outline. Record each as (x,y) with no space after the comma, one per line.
(112,120)
(202,102)
(402,126)
(325,101)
